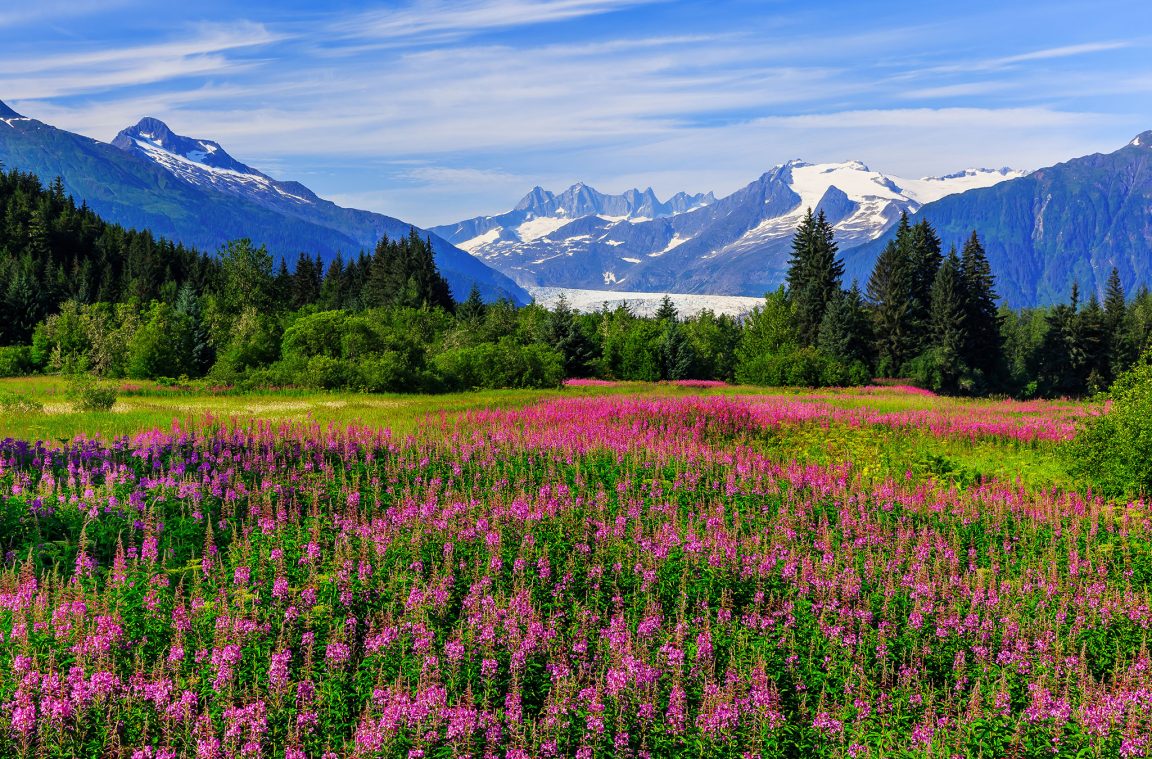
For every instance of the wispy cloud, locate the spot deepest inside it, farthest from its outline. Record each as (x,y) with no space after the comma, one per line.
(475,177)
(440,110)
(23,14)
(1000,63)
(201,52)
(1065,51)
(448,19)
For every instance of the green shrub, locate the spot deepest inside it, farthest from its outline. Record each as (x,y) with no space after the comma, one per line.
(15,360)
(86,394)
(14,403)
(500,365)
(1113,451)
(325,373)
(391,372)
(800,367)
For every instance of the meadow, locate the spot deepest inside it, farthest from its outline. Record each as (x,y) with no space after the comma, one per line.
(685,569)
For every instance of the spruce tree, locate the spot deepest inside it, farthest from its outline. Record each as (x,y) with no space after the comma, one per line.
(814,274)
(1091,347)
(666,311)
(565,335)
(332,286)
(307,280)
(404,273)
(1118,329)
(845,331)
(472,310)
(947,324)
(984,348)
(197,352)
(922,247)
(1061,356)
(890,300)
(674,352)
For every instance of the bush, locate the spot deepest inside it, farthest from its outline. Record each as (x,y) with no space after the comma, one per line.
(14,403)
(391,372)
(500,365)
(1114,450)
(15,360)
(800,367)
(86,394)
(325,373)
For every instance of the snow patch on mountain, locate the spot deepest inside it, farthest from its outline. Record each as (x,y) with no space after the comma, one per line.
(191,169)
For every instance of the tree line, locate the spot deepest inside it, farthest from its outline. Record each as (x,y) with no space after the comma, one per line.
(933,318)
(80,294)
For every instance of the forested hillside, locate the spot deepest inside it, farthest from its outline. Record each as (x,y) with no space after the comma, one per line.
(82,295)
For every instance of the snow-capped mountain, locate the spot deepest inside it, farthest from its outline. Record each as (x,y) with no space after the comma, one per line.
(541,212)
(207,164)
(193,192)
(695,243)
(1061,225)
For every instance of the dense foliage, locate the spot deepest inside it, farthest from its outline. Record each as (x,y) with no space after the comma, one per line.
(79,294)
(1114,450)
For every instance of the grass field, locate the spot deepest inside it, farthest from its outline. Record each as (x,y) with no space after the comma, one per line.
(596,571)
(880,450)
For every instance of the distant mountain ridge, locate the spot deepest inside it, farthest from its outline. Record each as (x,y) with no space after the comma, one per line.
(193,191)
(1064,224)
(736,245)
(541,212)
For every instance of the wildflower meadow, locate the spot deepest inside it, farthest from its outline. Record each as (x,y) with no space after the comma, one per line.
(617,575)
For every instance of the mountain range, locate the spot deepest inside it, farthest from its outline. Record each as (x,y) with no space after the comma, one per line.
(1062,225)
(737,245)
(194,192)
(1043,230)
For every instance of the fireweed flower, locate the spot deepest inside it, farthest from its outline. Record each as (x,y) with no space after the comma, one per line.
(581,576)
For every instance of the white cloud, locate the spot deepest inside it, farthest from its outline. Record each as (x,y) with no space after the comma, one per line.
(443,20)
(1065,51)
(53,10)
(103,70)
(461,129)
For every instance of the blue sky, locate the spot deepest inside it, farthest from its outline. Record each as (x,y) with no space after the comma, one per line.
(435,111)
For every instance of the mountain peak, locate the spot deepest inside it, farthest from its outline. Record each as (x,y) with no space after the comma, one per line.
(152,128)
(8,113)
(1142,140)
(151,135)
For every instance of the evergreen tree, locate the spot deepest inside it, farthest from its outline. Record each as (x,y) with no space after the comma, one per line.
(948,329)
(282,286)
(921,246)
(674,352)
(890,300)
(334,287)
(1060,358)
(404,273)
(667,309)
(814,274)
(472,310)
(307,280)
(565,336)
(845,331)
(984,347)
(1091,347)
(197,350)
(1118,329)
